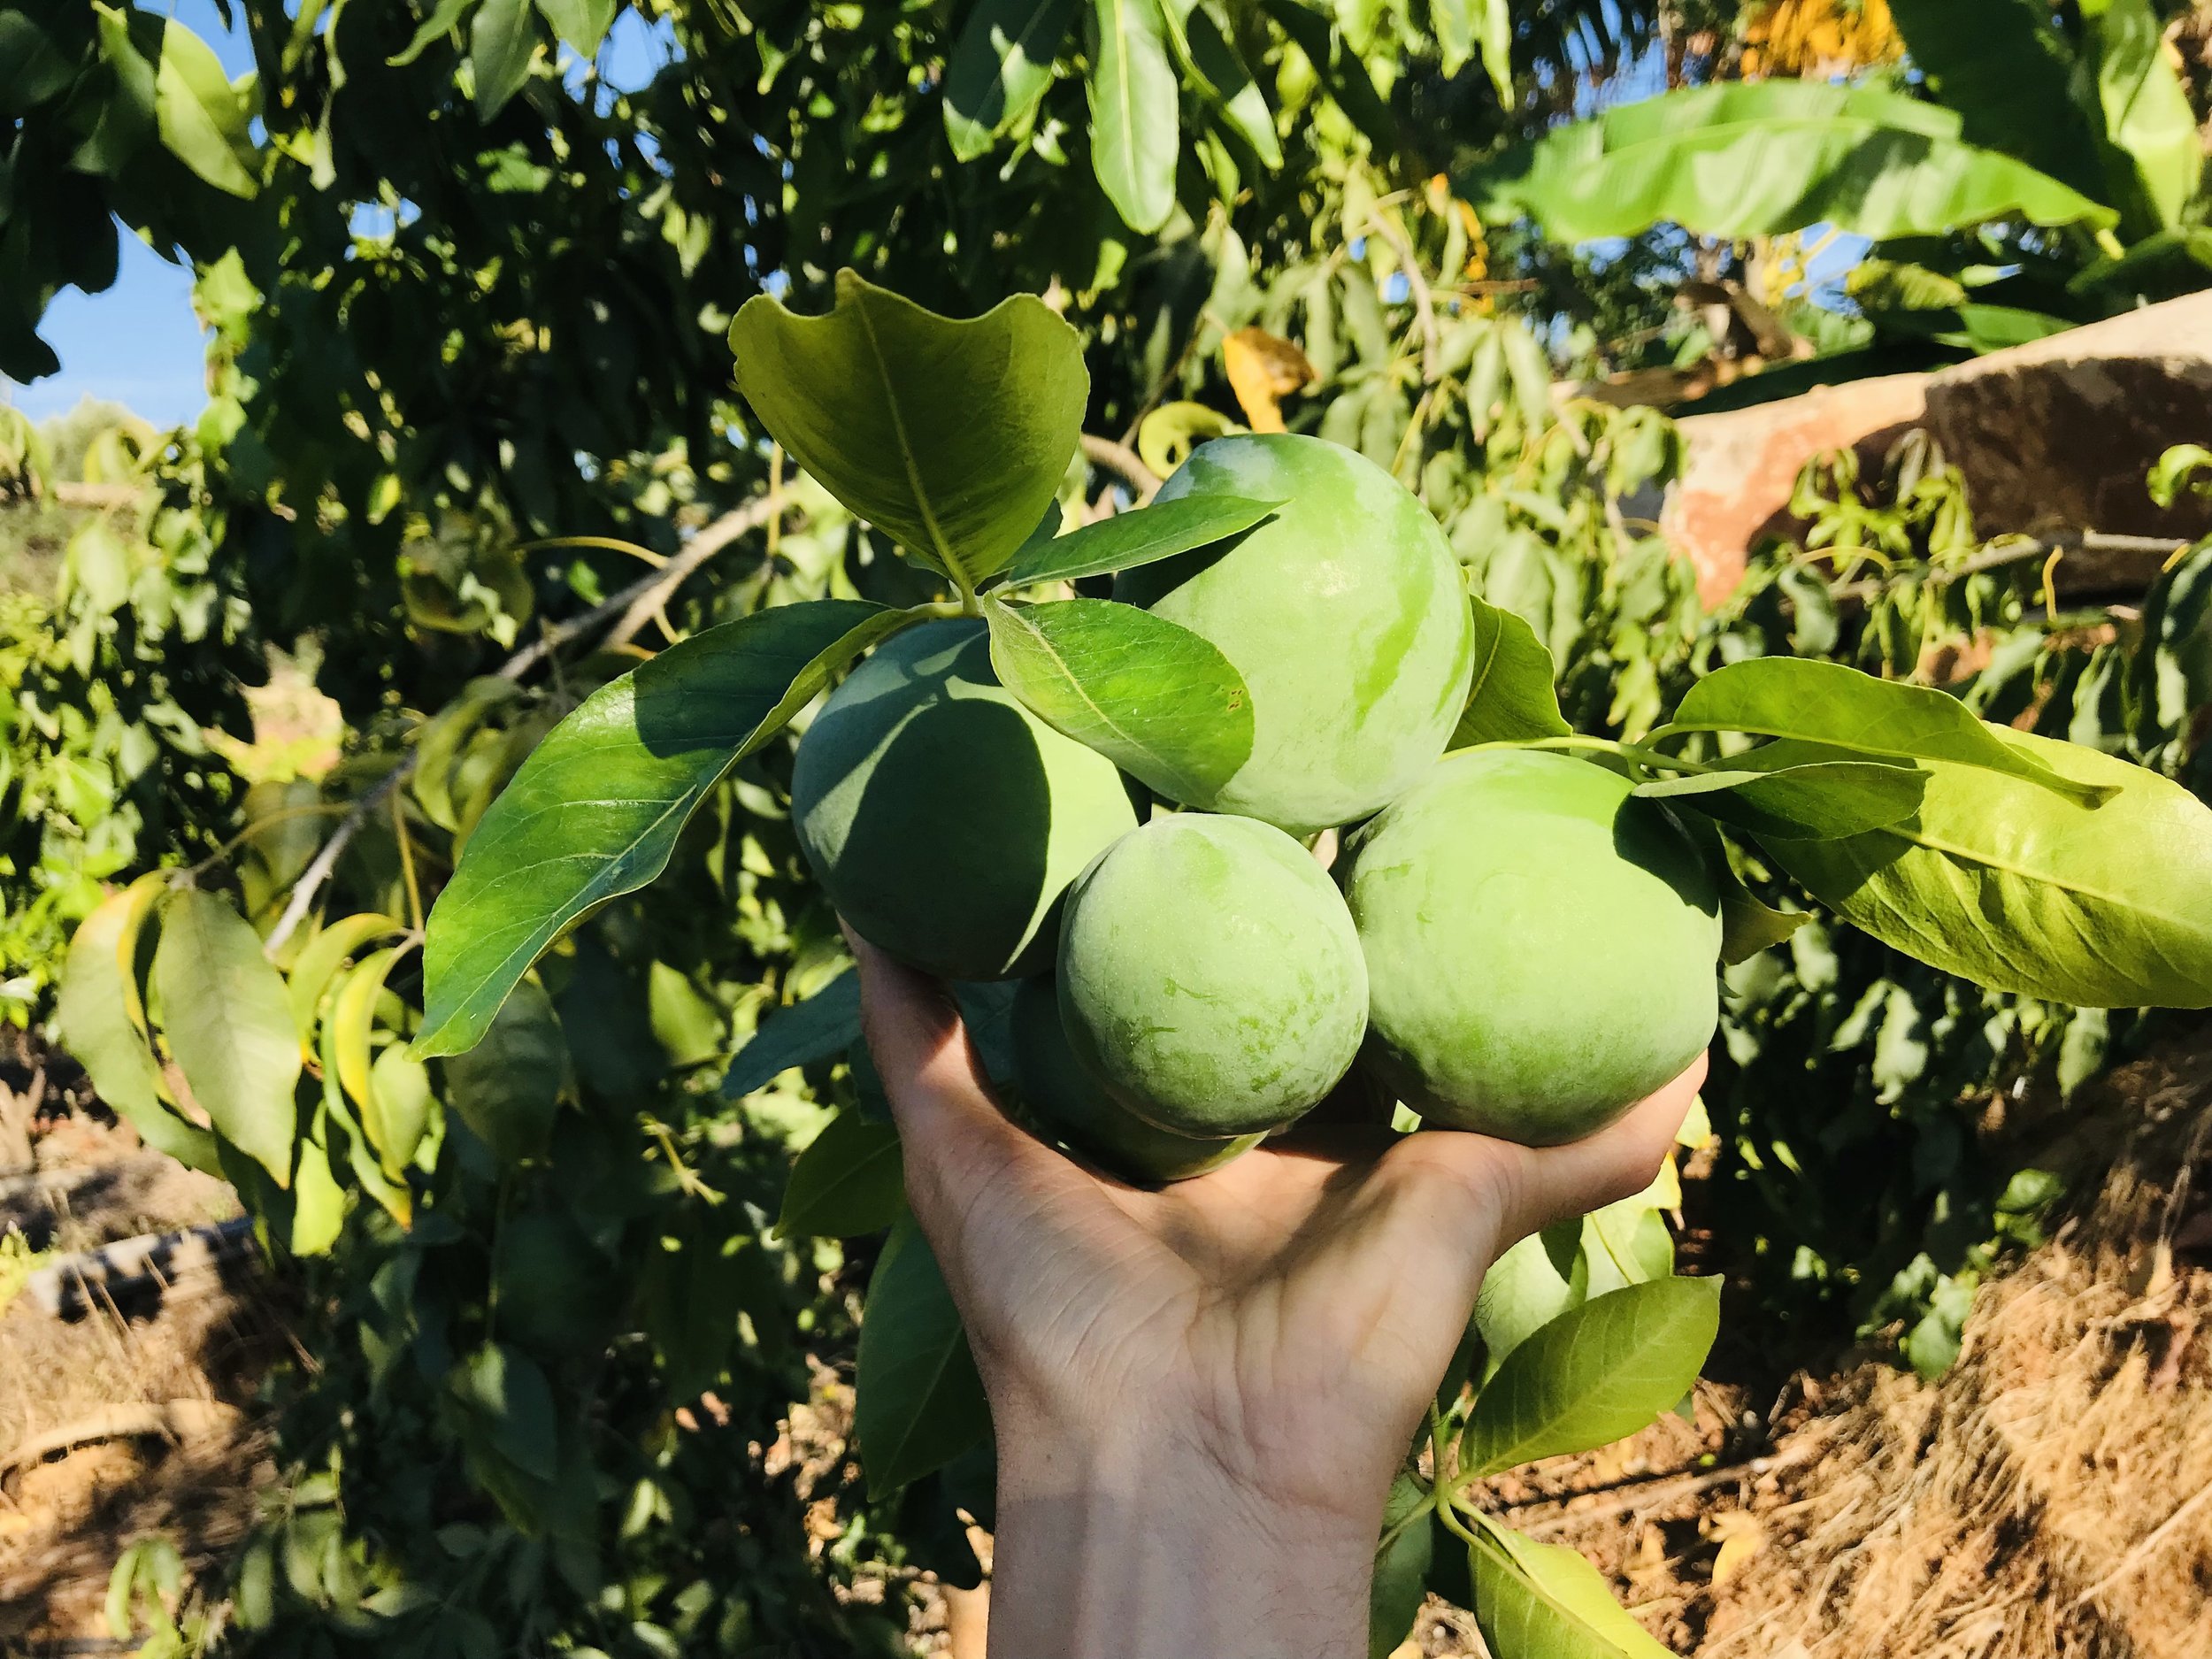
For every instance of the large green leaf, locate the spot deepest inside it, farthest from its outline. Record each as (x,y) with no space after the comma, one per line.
(1593,1375)
(1401,1566)
(1001,66)
(919,1402)
(1204,41)
(2018,888)
(1810,791)
(1155,699)
(1545,1602)
(849,1182)
(1512,696)
(503,36)
(580,24)
(1527,1287)
(509,1087)
(1829,704)
(950,436)
(595,810)
(1135,121)
(1763,158)
(204,121)
(2153,153)
(2002,66)
(1464,27)
(229,1026)
(511,1402)
(1143,536)
(98,994)
(825,1024)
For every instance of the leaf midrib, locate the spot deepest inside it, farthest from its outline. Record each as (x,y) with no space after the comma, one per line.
(954,567)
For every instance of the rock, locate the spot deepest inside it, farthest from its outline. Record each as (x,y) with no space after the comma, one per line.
(2058,435)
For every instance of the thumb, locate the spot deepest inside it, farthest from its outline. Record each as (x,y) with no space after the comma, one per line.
(1541,1184)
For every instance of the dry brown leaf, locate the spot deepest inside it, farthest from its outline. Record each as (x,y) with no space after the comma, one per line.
(1741,1537)
(1264,368)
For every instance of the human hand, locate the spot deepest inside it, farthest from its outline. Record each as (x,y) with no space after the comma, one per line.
(1200,1393)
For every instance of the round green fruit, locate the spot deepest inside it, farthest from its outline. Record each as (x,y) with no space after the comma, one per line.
(1209,976)
(943,819)
(1075,1105)
(1540,945)
(1346,614)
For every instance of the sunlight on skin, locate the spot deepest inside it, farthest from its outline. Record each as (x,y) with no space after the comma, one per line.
(1202,1393)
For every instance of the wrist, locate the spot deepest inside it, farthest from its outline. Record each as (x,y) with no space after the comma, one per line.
(1131,1540)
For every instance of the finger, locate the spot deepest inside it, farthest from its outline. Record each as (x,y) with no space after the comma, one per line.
(1489,1193)
(1548,1184)
(951,1132)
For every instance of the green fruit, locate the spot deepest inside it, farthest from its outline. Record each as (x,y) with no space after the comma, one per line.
(1209,976)
(943,819)
(1070,1101)
(1540,945)
(1346,615)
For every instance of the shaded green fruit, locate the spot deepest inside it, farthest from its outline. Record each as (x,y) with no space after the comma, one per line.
(1540,945)
(1346,614)
(1209,976)
(1069,1101)
(943,819)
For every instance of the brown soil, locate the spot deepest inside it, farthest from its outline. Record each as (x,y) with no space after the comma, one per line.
(126,1422)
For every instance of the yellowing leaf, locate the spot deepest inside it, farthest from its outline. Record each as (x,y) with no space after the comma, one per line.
(1264,368)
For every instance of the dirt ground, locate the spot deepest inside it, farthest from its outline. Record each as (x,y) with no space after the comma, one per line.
(2051,1498)
(128,1420)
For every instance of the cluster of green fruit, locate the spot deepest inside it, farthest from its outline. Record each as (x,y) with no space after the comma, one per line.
(1512,941)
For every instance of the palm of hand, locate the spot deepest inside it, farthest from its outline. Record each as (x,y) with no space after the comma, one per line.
(1298,1306)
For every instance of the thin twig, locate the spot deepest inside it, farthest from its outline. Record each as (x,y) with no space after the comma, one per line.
(1387,226)
(1125,462)
(635,604)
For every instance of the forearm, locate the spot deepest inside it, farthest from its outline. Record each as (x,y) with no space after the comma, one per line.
(1146,1552)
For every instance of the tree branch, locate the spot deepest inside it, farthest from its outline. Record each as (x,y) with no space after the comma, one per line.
(1123,462)
(635,604)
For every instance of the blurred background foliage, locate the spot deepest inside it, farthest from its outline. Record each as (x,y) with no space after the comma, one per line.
(471,449)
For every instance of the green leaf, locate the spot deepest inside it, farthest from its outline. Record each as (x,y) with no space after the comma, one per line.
(1464,27)
(1753,159)
(2154,154)
(1545,1602)
(399,1085)
(2004,68)
(1205,44)
(1512,696)
(321,958)
(98,991)
(229,1026)
(441,23)
(1401,1566)
(826,1023)
(1594,1375)
(1155,699)
(1000,68)
(353,1021)
(580,24)
(503,36)
(595,810)
(849,1182)
(948,435)
(2018,888)
(1136,135)
(1799,789)
(318,1203)
(1527,1287)
(128,114)
(919,1402)
(204,121)
(1828,704)
(510,1086)
(1142,536)
(508,1398)
(1749,924)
